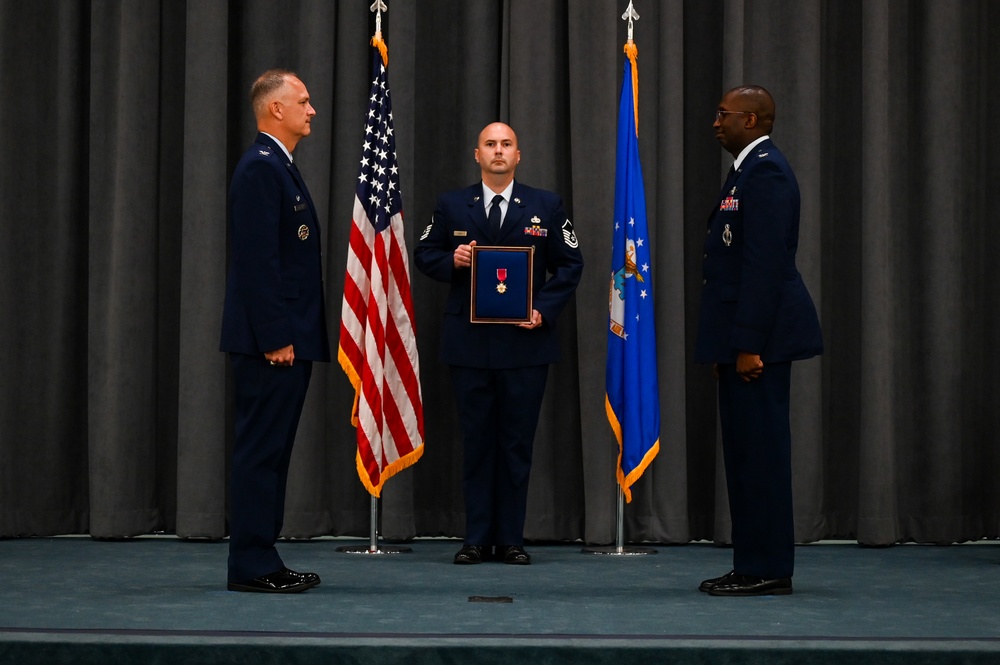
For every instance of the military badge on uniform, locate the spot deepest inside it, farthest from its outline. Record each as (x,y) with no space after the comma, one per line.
(265,153)
(518,201)
(569,236)
(535,229)
(427,231)
(727,236)
(303,232)
(729,204)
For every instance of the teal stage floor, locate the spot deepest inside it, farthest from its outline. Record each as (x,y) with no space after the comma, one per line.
(159,599)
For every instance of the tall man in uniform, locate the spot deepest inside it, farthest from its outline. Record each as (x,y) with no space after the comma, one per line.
(498,371)
(273,327)
(756,318)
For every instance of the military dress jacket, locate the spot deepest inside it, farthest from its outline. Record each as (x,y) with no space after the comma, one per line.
(534,218)
(274,289)
(753,297)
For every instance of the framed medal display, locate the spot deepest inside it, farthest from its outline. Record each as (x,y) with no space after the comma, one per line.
(501,284)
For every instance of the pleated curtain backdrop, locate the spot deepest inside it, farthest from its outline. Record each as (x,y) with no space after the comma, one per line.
(123,119)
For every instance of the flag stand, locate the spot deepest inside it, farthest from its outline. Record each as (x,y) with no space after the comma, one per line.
(619,549)
(373,547)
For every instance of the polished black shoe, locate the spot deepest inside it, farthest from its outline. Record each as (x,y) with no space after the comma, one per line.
(514,554)
(279,582)
(715,581)
(470,554)
(312,579)
(746,585)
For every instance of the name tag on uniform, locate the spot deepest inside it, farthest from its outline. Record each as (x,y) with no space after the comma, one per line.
(461,233)
(299,208)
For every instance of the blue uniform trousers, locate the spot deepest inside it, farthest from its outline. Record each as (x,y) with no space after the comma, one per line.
(498,412)
(268,404)
(757,442)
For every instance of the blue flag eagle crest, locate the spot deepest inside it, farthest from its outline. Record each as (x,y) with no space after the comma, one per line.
(632,400)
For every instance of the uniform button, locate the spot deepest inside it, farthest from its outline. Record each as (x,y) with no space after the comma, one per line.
(704,256)
(704,282)
(710,232)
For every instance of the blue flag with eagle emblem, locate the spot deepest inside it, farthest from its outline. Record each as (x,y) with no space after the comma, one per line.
(632,400)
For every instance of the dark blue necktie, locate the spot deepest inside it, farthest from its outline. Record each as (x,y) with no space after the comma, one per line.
(494,217)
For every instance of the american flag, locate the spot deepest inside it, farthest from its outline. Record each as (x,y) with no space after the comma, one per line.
(378,344)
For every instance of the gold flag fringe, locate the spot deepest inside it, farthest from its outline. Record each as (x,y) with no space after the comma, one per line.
(632,51)
(379,43)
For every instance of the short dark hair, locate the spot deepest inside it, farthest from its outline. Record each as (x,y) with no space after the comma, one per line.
(760,101)
(266,85)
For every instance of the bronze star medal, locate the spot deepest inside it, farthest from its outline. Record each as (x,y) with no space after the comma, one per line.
(501,277)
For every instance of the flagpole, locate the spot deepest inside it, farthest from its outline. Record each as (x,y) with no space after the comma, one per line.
(377,8)
(619,548)
(373,546)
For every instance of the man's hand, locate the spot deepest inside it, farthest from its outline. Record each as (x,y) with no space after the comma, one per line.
(749,365)
(284,357)
(536,320)
(463,255)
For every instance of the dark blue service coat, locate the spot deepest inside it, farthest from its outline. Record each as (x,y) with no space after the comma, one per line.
(754,299)
(460,218)
(274,292)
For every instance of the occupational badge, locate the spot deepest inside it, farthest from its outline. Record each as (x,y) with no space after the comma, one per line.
(727,236)
(535,229)
(303,232)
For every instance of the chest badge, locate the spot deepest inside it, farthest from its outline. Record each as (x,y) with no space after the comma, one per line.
(304,232)
(727,236)
(535,229)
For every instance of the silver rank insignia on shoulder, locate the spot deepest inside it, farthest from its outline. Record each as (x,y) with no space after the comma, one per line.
(727,236)
(265,153)
(569,235)
(763,154)
(303,232)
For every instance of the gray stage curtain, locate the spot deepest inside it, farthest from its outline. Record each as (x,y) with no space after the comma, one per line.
(122,120)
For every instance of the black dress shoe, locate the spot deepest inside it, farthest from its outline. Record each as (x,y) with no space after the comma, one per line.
(514,554)
(279,582)
(312,579)
(715,581)
(747,585)
(470,554)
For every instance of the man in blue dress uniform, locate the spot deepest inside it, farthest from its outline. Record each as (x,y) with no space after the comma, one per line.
(756,318)
(499,371)
(273,327)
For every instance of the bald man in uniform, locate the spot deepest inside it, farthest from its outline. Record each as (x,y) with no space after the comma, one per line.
(498,371)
